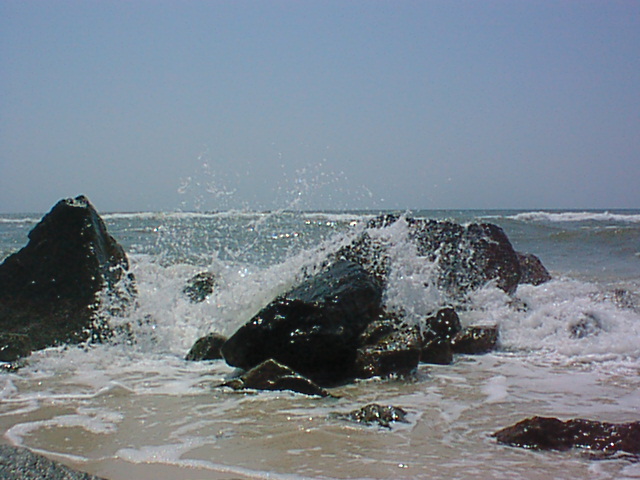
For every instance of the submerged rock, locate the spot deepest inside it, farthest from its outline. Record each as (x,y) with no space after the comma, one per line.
(207,348)
(374,413)
(313,328)
(271,375)
(52,290)
(588,325)
(544,433)
(199,287)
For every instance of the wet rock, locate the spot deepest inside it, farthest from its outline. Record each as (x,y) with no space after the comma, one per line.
(437,352)
(17,463)
(588,325)
(532,270)
(386,358)
(391,346)
(199,287)
(476,340)
(437,334)
(466,257)
(63,285)
(14,346)
(207,348)
(271,375)
(313,328)
(444,325)
(375,414)
(370,253)
(388,347)
(544,433)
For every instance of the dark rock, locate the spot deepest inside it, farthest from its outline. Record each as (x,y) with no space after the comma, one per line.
(444,325)
(543,433)
(437,334)
(388,347)
(466,257)
(437,352)
(391,358)
(379,329)
(313,328)
(199,287)
(207,348)
(532,270)
(374,413)
(271,375)
(17,463)
(14,346)
(53,289)
(369,253)
(475,340)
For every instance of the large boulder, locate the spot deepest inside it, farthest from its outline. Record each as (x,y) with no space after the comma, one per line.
(56,289)
(466,257)
(544,433)
(314,328)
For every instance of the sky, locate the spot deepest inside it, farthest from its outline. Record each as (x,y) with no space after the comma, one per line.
(361,104)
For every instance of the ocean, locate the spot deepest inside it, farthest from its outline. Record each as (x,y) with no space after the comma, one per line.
(137,409)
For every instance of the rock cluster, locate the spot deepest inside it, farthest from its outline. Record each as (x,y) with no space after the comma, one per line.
(333,327)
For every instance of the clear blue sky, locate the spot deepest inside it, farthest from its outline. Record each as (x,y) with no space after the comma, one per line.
(165,105)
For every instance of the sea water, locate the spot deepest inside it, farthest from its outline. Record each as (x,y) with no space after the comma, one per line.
(569,348)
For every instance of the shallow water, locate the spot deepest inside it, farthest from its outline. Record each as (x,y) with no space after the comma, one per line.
(140,411)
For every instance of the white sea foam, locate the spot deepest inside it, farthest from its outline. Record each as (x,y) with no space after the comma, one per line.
(18,221)
(569,319)
(541,216)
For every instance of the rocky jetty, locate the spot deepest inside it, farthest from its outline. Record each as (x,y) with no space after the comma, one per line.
(545,433)
(54,289)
